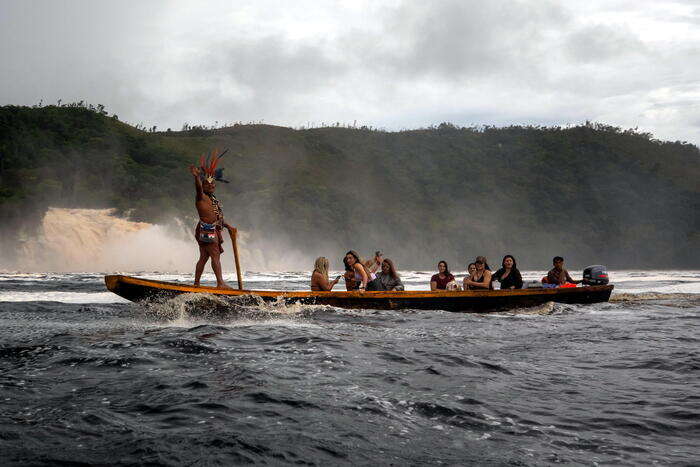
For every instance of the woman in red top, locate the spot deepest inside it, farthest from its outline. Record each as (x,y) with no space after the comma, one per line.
(440,280)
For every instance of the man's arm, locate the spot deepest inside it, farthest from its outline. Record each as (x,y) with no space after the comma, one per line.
(197,182)
(569,279)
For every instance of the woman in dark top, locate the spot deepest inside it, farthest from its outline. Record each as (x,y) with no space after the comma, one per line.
(482,277)
(508,275)
(439,281)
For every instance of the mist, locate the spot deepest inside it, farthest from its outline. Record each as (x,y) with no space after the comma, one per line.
(97,240)
(592,193)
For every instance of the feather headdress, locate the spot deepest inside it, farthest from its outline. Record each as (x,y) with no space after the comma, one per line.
(208,170)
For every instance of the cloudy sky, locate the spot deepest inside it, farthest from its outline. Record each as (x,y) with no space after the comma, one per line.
(390,64)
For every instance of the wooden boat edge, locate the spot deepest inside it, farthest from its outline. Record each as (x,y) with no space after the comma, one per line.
(112,282)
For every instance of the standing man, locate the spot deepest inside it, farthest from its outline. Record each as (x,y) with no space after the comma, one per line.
(211,217)
(558,275)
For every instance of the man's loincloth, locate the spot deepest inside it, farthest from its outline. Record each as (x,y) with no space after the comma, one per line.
(206,234)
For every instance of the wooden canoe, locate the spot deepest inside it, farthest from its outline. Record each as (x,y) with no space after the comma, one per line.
(136,290)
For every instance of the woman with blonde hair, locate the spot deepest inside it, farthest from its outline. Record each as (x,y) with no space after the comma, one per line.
(319,278)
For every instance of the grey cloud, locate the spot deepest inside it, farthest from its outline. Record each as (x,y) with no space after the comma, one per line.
(601,43)
(416,64)
(462,39)
(273,78)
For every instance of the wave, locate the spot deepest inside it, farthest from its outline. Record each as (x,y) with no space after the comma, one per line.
(190,309)
(642,296)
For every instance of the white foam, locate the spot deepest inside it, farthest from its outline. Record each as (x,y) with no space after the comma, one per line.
(63,297)
(626,282)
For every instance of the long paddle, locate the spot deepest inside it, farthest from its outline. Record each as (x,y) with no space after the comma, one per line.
(233,234)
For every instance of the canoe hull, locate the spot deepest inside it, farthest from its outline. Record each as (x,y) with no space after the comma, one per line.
(137,290)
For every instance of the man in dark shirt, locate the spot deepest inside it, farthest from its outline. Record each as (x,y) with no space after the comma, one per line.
(558,275)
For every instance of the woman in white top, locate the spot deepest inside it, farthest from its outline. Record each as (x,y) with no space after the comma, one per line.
(361,274)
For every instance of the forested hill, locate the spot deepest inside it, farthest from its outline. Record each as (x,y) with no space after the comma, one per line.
(593,193)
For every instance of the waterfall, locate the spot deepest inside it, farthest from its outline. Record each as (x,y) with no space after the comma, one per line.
(73,240)
(97,240)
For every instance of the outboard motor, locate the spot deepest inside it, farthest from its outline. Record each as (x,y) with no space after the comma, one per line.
(595,275)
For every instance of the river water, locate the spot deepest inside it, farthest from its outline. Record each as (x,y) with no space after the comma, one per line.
(88,378)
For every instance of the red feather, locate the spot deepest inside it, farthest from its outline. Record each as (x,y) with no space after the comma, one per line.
(215,162)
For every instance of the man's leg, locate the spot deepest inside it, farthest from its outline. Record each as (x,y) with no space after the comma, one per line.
(203,257)
(215,253)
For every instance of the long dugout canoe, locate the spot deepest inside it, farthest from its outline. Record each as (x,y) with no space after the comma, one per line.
(136,290)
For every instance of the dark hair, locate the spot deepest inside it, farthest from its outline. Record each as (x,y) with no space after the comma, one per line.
(447,268)
(557,258)
(515,265)
(354,254)
(345,262)
(482,259)
(392,268)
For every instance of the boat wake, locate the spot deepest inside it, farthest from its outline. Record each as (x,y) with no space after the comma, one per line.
(644,296)
(199,307)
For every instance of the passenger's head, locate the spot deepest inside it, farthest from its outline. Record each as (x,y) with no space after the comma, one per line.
(351,257)
(389,268)
(481,263)
(471,268)
(508,262)
(321,265)
(558,262)
(443,268)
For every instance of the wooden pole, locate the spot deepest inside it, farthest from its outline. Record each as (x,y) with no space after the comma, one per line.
(234,235)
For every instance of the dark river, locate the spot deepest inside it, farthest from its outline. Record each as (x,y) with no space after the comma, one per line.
(86,378)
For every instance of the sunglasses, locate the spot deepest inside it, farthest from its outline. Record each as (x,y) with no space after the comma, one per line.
(478,262)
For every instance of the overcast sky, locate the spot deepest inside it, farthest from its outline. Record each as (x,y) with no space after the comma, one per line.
(392,64)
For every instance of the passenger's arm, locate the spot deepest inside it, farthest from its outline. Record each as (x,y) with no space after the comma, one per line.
(361,271)
(486,284)
(398,285)
(373,266)
(517,279)
(332,283)
(433,285)
(569,278)
(322,283)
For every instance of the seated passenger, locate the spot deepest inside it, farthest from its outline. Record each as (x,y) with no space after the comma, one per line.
(388,278)
(471,271)
(349,276)
(439,281)
(361,275)
(508,275)
(319,278)
(374,265)
(482,277)
(558,276)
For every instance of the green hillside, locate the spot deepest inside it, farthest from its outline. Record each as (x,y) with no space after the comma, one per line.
(593,193)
